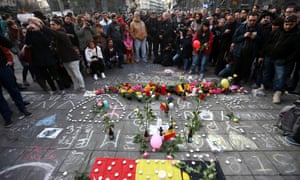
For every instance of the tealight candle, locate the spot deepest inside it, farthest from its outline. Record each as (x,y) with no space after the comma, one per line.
(116,174)
(109,168)
(130,166)
(113,163)
(96,170)
(140,172)
(227,162)
(129,174)
(169,175)
(161,175)
(239,160)
(99,162)
(124,162)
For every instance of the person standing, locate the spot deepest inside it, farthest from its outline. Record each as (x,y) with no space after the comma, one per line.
(200,56)
(8,81)
(282,49)
(246,39)
(138,32)
(65,51)
(152,38)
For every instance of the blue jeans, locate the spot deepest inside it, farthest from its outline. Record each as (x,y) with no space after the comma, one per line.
(8,81)
(270,70)
(140,45)
(201,65)
(186,63)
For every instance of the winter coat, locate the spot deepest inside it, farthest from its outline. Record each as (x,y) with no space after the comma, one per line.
(285,47)
(208,40)
(64,47)
(138,30)
(42,55)
(84,36)
(240,42)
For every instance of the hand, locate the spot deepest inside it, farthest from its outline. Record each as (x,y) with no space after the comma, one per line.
(247,34)
(260,60)
(227,31)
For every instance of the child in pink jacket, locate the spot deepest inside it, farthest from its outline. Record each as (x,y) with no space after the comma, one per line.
(128,43)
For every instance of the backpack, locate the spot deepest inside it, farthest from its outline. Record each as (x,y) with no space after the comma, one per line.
(289,120)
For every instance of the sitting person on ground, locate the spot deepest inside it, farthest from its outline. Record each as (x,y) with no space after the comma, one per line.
(94,58)
(111,55)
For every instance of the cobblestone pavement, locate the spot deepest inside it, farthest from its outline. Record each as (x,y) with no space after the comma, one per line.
(250,149)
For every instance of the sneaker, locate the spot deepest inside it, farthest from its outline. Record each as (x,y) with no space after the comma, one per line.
(103,76)
(8,125)
(95,77)
(276,97)
(291,140)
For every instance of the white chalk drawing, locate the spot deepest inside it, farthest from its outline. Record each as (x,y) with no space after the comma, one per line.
(240,142)
(183,104)
(267,141)
(71,136)
(48,168)
(234,164)
(217,143)
(128,143)
(286,162)
(106,140)
(270,128)
(50,133)
(212,126)
(206,115)
(262,168)
(87,134)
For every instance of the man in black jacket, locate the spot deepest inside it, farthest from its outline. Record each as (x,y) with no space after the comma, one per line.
(281,49)
(152,29)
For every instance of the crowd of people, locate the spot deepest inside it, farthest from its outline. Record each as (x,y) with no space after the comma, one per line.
(260,46)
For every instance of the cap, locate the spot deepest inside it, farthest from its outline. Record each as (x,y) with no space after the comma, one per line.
(291,18)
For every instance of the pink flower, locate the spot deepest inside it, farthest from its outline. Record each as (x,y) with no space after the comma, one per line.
(99,103)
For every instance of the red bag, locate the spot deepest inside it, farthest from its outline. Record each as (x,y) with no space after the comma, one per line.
(26,54)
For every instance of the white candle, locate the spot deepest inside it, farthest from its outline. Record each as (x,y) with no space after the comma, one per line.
(161,175)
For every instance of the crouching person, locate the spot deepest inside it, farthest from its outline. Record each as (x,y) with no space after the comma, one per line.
(94,58)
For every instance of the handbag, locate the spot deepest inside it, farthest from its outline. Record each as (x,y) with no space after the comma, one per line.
(26,54)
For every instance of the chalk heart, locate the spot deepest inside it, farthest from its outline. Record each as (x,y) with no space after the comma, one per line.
(156,141)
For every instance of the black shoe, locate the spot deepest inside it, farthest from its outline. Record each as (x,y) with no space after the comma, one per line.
(8,125)
(26,103)
(26,113)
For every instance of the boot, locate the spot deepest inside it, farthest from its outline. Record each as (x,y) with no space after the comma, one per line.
(276,97)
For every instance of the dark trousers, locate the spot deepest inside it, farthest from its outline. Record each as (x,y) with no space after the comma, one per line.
(152,46)
(4,108)
(97,67)
(8,81)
